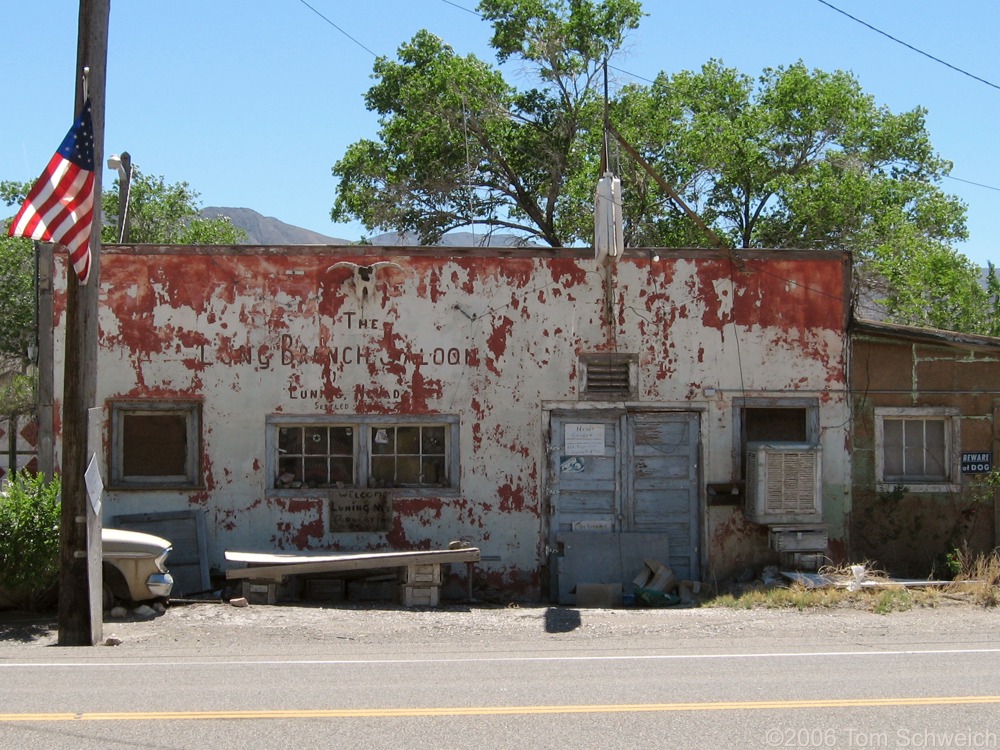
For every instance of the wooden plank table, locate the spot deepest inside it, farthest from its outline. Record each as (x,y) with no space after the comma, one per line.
(276,567)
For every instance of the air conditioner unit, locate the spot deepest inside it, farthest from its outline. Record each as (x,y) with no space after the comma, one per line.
(783,483)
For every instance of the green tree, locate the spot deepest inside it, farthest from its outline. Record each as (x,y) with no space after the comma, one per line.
(803,158)
(29,538)
(164,214)
(794,158)
(459,146)
(161,213)
(17,296)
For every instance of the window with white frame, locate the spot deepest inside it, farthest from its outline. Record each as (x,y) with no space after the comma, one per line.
(315,453)
(155,444)
(917,448)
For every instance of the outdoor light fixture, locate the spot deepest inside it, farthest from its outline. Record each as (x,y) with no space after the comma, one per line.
(123,165)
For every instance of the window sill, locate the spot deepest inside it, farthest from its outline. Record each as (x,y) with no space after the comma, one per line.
(324,492)
(916,488)
(155,487)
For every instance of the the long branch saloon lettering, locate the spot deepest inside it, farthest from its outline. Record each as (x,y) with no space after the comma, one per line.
(290,351)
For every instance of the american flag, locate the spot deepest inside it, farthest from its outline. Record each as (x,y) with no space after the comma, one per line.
(60,207)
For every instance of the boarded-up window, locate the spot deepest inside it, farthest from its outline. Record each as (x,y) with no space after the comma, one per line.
(155,444)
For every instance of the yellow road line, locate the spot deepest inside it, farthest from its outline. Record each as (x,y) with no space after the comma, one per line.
(355,713)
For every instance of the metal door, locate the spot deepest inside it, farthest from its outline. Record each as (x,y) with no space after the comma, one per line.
(622,487)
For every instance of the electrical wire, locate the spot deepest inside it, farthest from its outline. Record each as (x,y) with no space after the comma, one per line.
(909,46)
(338,28)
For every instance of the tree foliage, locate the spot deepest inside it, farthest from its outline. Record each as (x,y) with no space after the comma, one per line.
(164,214)
(792,158)
(161,213)
(17,296)
(29,538)
(459,146)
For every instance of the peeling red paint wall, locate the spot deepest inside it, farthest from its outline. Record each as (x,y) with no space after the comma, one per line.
(484,336)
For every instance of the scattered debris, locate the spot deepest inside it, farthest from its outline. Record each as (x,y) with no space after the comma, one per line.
(856,578)
(113,641)
(657,586)
(239,602)
(144,612)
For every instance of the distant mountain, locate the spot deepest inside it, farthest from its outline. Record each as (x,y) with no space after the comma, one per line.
(453,239)
(266,230)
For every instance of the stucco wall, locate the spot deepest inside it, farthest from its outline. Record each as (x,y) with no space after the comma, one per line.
(906,531)
(487,336)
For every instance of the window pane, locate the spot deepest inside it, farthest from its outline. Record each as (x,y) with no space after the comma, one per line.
(341,441)
(408,470)
(316,440)
(433,468)
(289,470)
(154,445)
(342,470)
(937,454)
(433,441)
(315,472)
(913,448)
(290,440)
(408,440)
(383,472)
(892,449)
(383,440)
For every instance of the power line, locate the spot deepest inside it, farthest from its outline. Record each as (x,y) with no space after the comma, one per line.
(338,28)
(970,182)
(909,46)
(467,10)
(638,77)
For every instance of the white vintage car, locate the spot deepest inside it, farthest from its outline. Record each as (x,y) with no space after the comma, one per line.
(134,567)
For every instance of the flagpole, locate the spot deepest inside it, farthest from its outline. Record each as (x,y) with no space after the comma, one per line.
(79,625)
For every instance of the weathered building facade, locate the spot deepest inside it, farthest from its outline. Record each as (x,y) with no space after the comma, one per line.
(926,405)
(555,411)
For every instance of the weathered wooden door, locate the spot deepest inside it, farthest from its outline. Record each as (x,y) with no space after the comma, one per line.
(622,487)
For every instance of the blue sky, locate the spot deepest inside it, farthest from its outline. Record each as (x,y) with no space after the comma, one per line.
(253,101)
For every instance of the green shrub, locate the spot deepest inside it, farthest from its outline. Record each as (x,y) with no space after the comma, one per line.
(29,539)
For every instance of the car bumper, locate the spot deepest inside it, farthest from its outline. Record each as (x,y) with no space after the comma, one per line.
(160,584)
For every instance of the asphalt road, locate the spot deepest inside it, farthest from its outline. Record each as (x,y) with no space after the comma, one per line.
(214,677)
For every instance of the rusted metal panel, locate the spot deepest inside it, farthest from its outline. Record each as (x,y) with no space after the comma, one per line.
(487,336)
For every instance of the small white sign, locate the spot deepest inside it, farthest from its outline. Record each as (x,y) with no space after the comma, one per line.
(584,440)
(95,485)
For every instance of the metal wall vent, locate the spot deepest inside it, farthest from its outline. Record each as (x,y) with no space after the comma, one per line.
(608,376)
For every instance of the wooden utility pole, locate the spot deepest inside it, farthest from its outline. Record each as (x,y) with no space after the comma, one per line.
(77,626)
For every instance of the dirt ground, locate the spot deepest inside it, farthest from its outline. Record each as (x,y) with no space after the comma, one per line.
(220,627)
